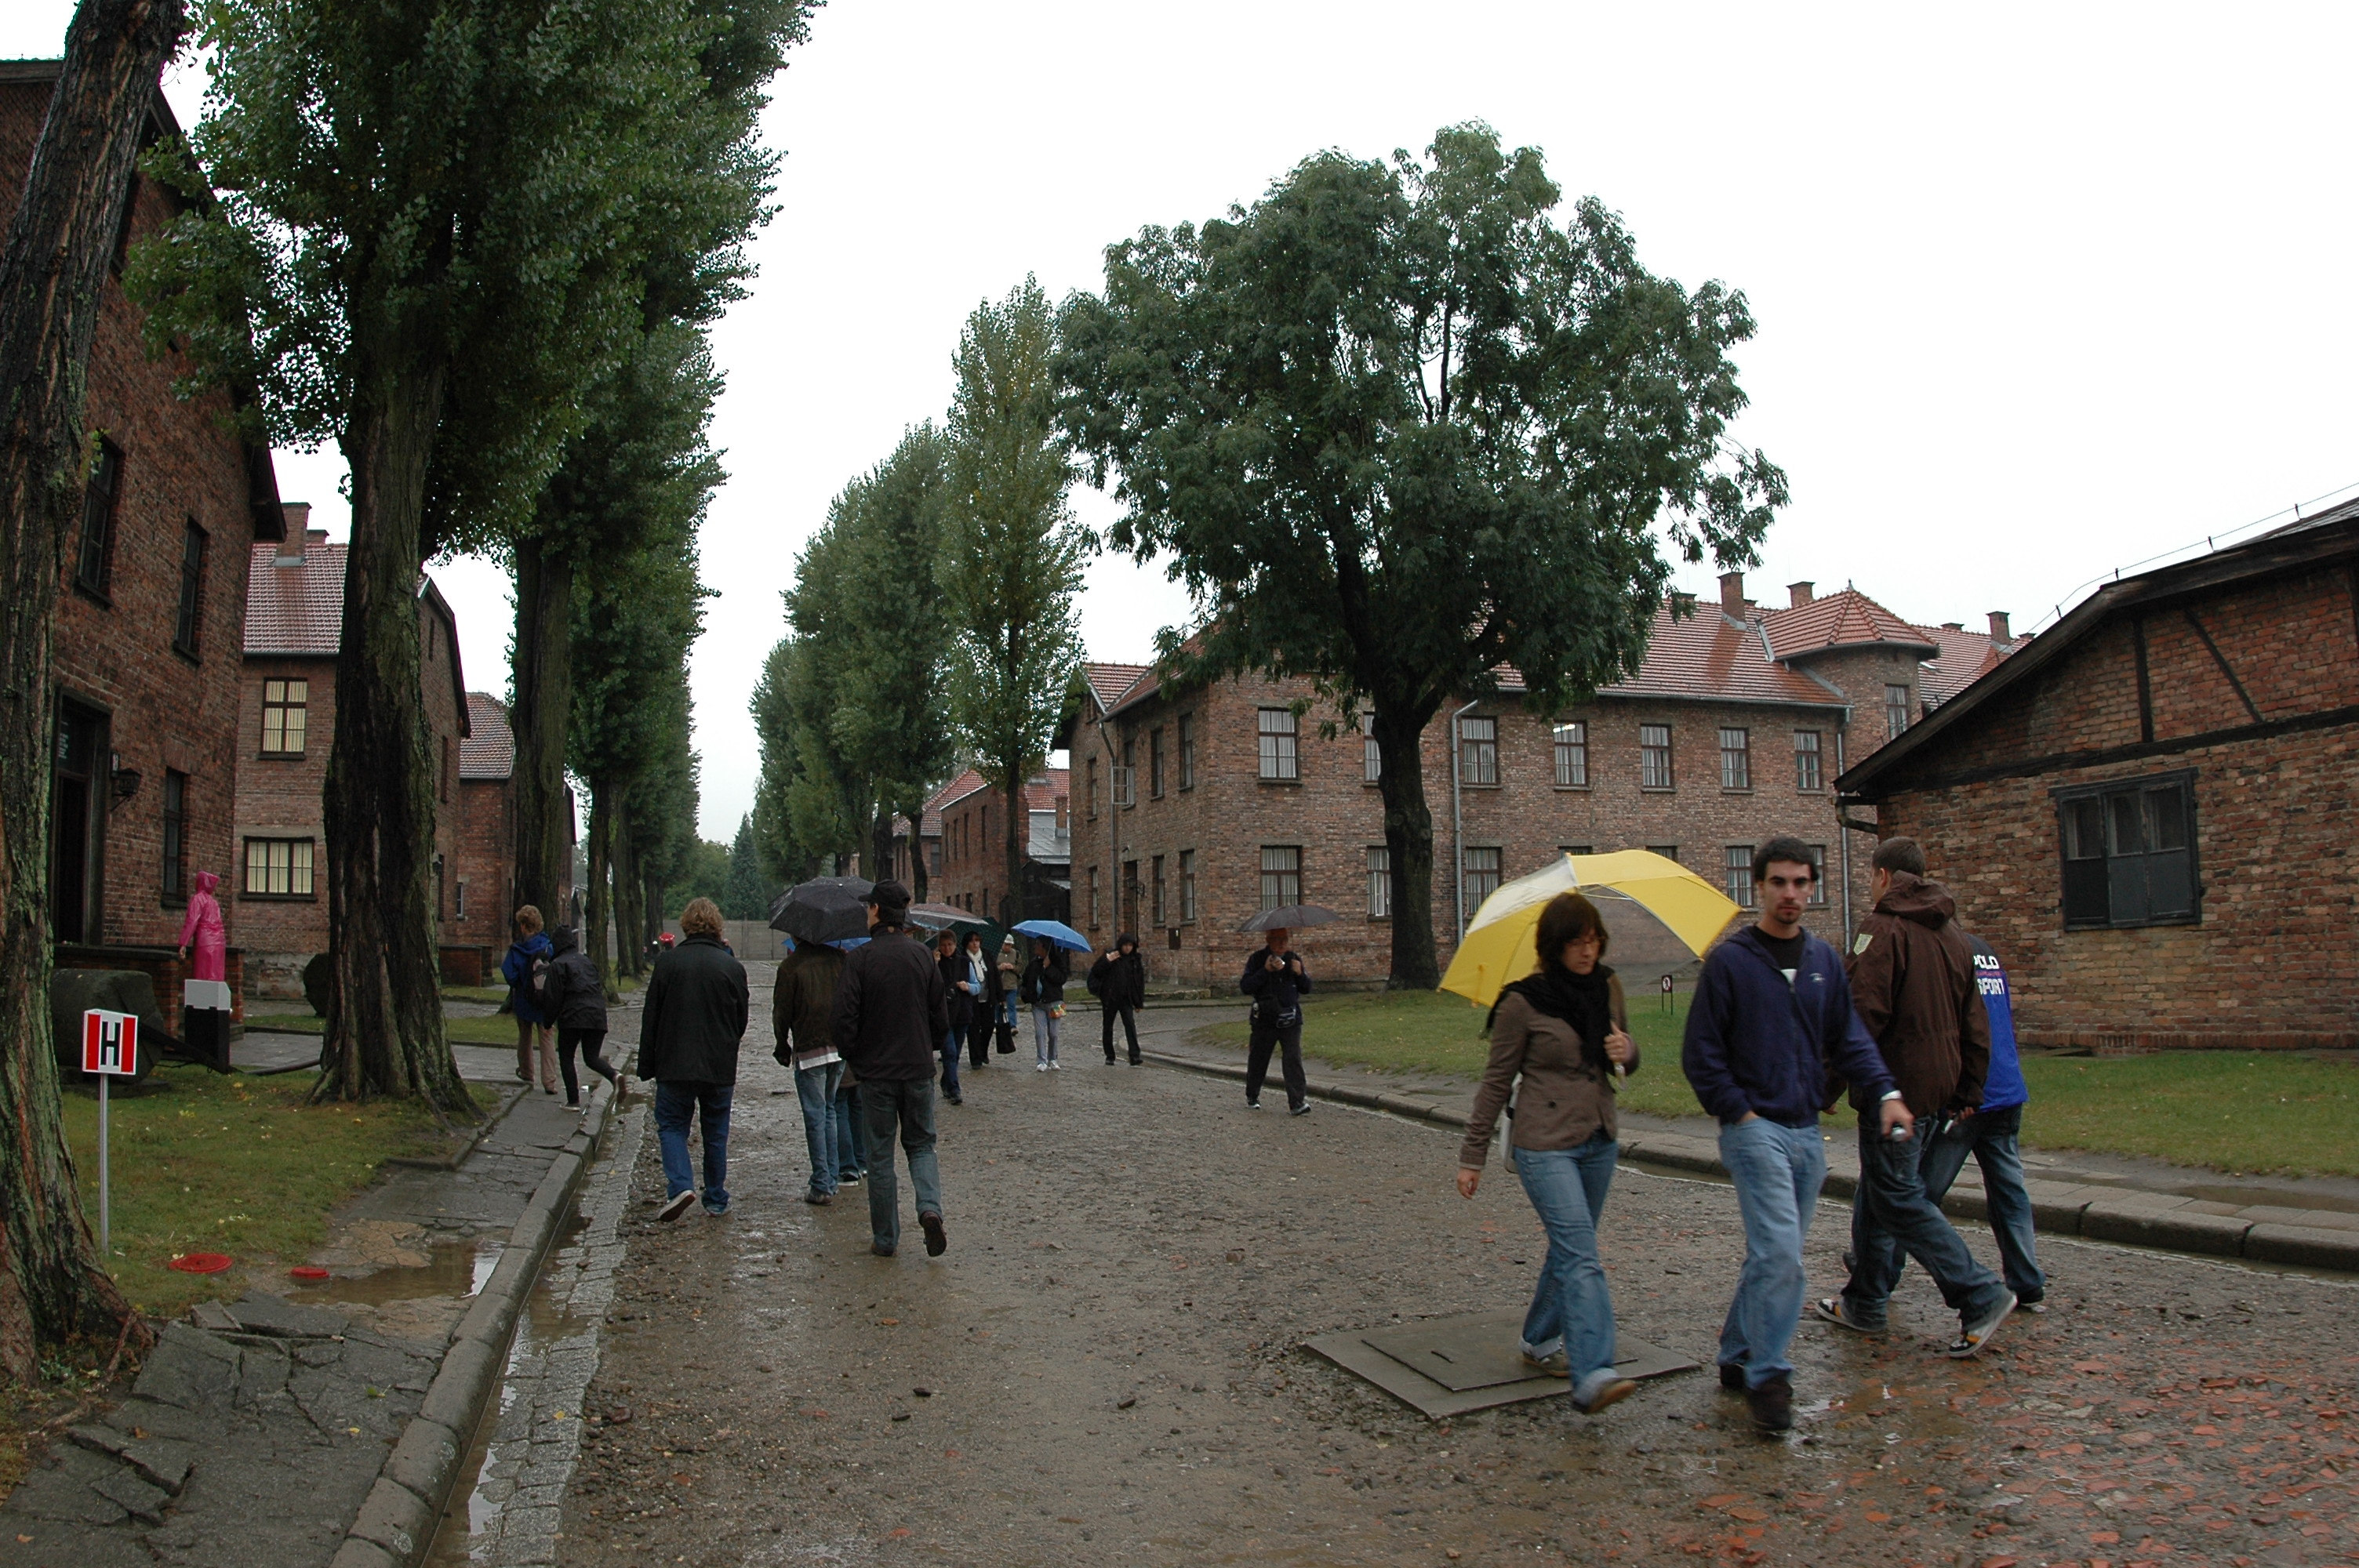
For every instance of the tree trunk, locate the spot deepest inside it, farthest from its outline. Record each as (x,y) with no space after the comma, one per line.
(1408,838)
(630,958)
(384,1032)
(596,903)
(916,815)
(1020,828)
(651,916)
(52,1282)
(544,708)
(880,844)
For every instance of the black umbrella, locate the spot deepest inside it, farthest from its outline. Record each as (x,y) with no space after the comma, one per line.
(824,908)
(1290,917)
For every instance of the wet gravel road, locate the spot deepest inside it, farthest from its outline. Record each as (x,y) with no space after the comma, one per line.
(1105,1368)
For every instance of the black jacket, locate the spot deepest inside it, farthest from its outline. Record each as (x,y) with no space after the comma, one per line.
(695,1015)
(1119,979)
(889,1010)
(1277,993)
(1044,984)
(959,1004)
(575,999)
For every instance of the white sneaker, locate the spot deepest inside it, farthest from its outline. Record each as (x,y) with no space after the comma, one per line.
(1039,1066)
(1055,1065)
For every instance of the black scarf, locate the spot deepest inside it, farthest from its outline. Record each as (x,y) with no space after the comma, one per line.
(1585,1001)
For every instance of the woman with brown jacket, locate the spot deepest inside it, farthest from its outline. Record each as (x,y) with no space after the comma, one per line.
(1565,1030)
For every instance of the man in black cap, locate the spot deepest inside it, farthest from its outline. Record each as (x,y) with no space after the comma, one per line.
(891,1010)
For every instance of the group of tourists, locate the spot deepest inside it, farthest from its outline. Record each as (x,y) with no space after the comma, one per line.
(552,985)
(1782,1027)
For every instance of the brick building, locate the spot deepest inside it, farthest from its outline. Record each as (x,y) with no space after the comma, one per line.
(475,926)
(1194,806)
(2148,812)
(147,624)
(287,725)
(974,871)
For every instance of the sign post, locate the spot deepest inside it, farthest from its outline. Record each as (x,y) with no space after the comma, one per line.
(109,1049)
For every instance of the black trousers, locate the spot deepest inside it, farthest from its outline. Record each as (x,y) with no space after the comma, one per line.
(592,1044)
(978,1037)
(1264,1039)
(1129,1016)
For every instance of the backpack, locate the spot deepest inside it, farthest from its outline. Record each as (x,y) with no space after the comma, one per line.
(536,982)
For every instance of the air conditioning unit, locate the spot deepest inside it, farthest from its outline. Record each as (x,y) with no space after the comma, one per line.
(1126,786)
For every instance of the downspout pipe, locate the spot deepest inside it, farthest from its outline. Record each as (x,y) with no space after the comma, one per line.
(1458,827)
(1841,723)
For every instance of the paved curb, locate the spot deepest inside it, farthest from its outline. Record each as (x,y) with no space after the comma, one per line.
(397,1520)
(2156,1220)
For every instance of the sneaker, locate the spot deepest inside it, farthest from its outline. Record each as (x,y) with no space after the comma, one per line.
(1555,1364)
(576,1106)
(677,1205)
(1253,1105)
(1731,1376)
(1771,1405)
(883,1248)
(1055,1065)
(1109,1061)
(2036,1304)
(1134,1061)
(849,1178)
(1978,1332)
(717,1213)
(819,1200)
(1832,1309)
(1303,1109)
(1039,1066)
(937,1239)
(957,1100)
(1601,1388)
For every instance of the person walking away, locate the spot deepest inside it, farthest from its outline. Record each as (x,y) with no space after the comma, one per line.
(984,986)
(690,1029)
(958,1008)
(1009,968)
(802,1013)
(1913,982)
(1278,982)
(1043,990)
(1771,1010)
(889,1018)
(1118,979)
(527,952)
(1566,1031)
(1990,1134)
(575,1001)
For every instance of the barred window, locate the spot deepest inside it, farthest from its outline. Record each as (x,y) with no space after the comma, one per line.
(1159,919)
(1896,710)
(1187,750)
(1186,886)
(1735,758)
(175,882)
(1380,882)
(1481,875)
(1654,756)
(284,708)
(1278,759)
(1740,875)
(192,590)
(1154,765)
(1281,875)
(1807,773)
(1572,755)
(94,562)
(1819,877)
(279,867)
(1372,756)
(2129,853)
(1478,750)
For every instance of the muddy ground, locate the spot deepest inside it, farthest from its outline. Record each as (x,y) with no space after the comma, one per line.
(1105,1368)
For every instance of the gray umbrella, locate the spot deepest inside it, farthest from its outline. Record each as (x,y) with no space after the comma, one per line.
(824,908)
(1290,917)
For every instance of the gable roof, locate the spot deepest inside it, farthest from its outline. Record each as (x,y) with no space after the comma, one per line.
(489,750)
(1965,658)
(1845,620)
(297,606)
(2333,533)
(1108,682)
(1713,655)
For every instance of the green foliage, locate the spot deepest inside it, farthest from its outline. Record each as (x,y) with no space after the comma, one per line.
(746,893)
(702,872)
(787,857)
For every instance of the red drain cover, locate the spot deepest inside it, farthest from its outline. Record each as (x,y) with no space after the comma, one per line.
(308,1271)
(201,1262)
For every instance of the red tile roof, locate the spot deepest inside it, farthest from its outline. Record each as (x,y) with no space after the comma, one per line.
(298,607)
(488,751)
(1965,658)
(1706,655)
(1108,682)
(1845,620)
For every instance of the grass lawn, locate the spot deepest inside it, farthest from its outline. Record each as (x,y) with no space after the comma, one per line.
(240,1165)
(490,996)
(499,1029)
(2229,1110)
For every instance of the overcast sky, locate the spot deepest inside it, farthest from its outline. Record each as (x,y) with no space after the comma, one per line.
(2042,290)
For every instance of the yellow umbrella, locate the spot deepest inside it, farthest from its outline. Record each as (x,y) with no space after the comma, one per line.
(1498,946)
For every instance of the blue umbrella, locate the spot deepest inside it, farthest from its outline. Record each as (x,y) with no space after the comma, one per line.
(1055,931)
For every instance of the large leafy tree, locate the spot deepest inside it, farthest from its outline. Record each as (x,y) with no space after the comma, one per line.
(746,892)
(52,268)
(438,215)
(1396,428)
(1009,572)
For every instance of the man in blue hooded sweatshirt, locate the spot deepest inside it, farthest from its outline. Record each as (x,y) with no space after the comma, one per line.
(1772,1012)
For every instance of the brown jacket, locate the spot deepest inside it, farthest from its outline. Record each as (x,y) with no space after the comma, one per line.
(1913,983)
(1564,1100)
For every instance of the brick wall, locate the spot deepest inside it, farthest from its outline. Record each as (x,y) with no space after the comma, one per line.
(2271,960)
(486,859)
(164,710)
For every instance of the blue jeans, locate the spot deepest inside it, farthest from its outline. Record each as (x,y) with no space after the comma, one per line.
(947,1048)
(709,1103)
(1889,1214)
(1570,1306)
(851,1140)
(815,1088)
(907,1105)
(1990,1137)
(1778,1170)
(1044,1033)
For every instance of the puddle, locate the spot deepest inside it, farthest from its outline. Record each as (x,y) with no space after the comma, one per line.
(455,1270)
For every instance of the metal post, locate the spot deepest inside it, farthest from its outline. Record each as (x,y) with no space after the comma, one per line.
(1457,828)
(105,1237)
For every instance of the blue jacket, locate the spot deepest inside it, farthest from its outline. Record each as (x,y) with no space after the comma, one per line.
(517,969)
(2003,1086)
(1756,1043)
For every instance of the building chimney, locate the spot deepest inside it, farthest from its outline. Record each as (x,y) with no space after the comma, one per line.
(1798,594)
(291,549)
(1732,595)
(1953,625)
(1999,633)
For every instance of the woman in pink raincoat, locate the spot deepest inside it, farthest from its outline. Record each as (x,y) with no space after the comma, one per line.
(204,927)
